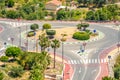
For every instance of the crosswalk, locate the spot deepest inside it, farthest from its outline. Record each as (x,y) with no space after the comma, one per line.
(87,61)
(15,24)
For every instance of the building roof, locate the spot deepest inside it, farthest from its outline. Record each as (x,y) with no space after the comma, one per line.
(55,2)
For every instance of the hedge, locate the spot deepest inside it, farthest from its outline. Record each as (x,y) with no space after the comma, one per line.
(50,32)
(30,33)
(81,36)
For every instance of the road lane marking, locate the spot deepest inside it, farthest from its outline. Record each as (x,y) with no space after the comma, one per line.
(93,71)
(80,70)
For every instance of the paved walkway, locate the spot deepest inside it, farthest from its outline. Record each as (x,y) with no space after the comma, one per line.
(104,67)
(68,70)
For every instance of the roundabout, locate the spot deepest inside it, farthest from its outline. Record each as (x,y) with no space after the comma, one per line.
(82,71)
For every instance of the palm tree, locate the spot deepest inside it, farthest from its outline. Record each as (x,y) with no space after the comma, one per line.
(82,26)
(55,44)
(44,42)
(85,25)
(79,26)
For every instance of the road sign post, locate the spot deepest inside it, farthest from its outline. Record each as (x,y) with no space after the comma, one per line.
(5,44)
(118,45)
(12,39)
(84,44)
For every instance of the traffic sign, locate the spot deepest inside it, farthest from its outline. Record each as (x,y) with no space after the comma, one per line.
(94,31)
(109,57)
(84,44)
(82,51)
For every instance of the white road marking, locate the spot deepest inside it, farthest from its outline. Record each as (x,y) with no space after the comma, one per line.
(80,70)
(93,71)
(87,61)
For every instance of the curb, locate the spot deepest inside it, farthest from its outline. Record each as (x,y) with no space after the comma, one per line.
(101,35)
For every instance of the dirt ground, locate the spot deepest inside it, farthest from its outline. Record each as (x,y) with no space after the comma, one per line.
(69,31)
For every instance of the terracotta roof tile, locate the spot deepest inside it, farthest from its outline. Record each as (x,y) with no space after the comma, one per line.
(56,2)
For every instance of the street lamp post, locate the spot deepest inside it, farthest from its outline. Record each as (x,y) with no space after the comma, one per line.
(109,57)
(62,52)
(19,33)
(63,39)
(26,45)
(19,36)
(118,44)
(35,40)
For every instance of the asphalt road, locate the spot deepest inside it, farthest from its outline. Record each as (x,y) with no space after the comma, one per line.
(81,71)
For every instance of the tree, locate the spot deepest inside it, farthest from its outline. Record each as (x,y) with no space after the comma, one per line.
(27,8)
(41,63)
(55,44)
(79,26)
(99,3)
(84,25)
(13,51)
(44,42)
(46,26)
(114,10)
(90,15)
(12,14)
(4,59)
(34,27)
(2,4)
(10,3)
(16,71)
(61,15)
(31,16)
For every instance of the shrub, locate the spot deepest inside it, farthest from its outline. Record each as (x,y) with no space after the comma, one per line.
(1,75)
(50,32)
(12,14)
(46,26)
(16,71)
(88,31)
(4,59)
(81,36)
(94,34)
(117,72)
(34,27)
(30,33)
(13,52)
(63,39)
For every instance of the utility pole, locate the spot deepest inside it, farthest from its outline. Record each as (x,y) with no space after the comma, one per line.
(27,39)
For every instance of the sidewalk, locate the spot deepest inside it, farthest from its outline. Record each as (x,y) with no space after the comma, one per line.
(105,68)
(68,70)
